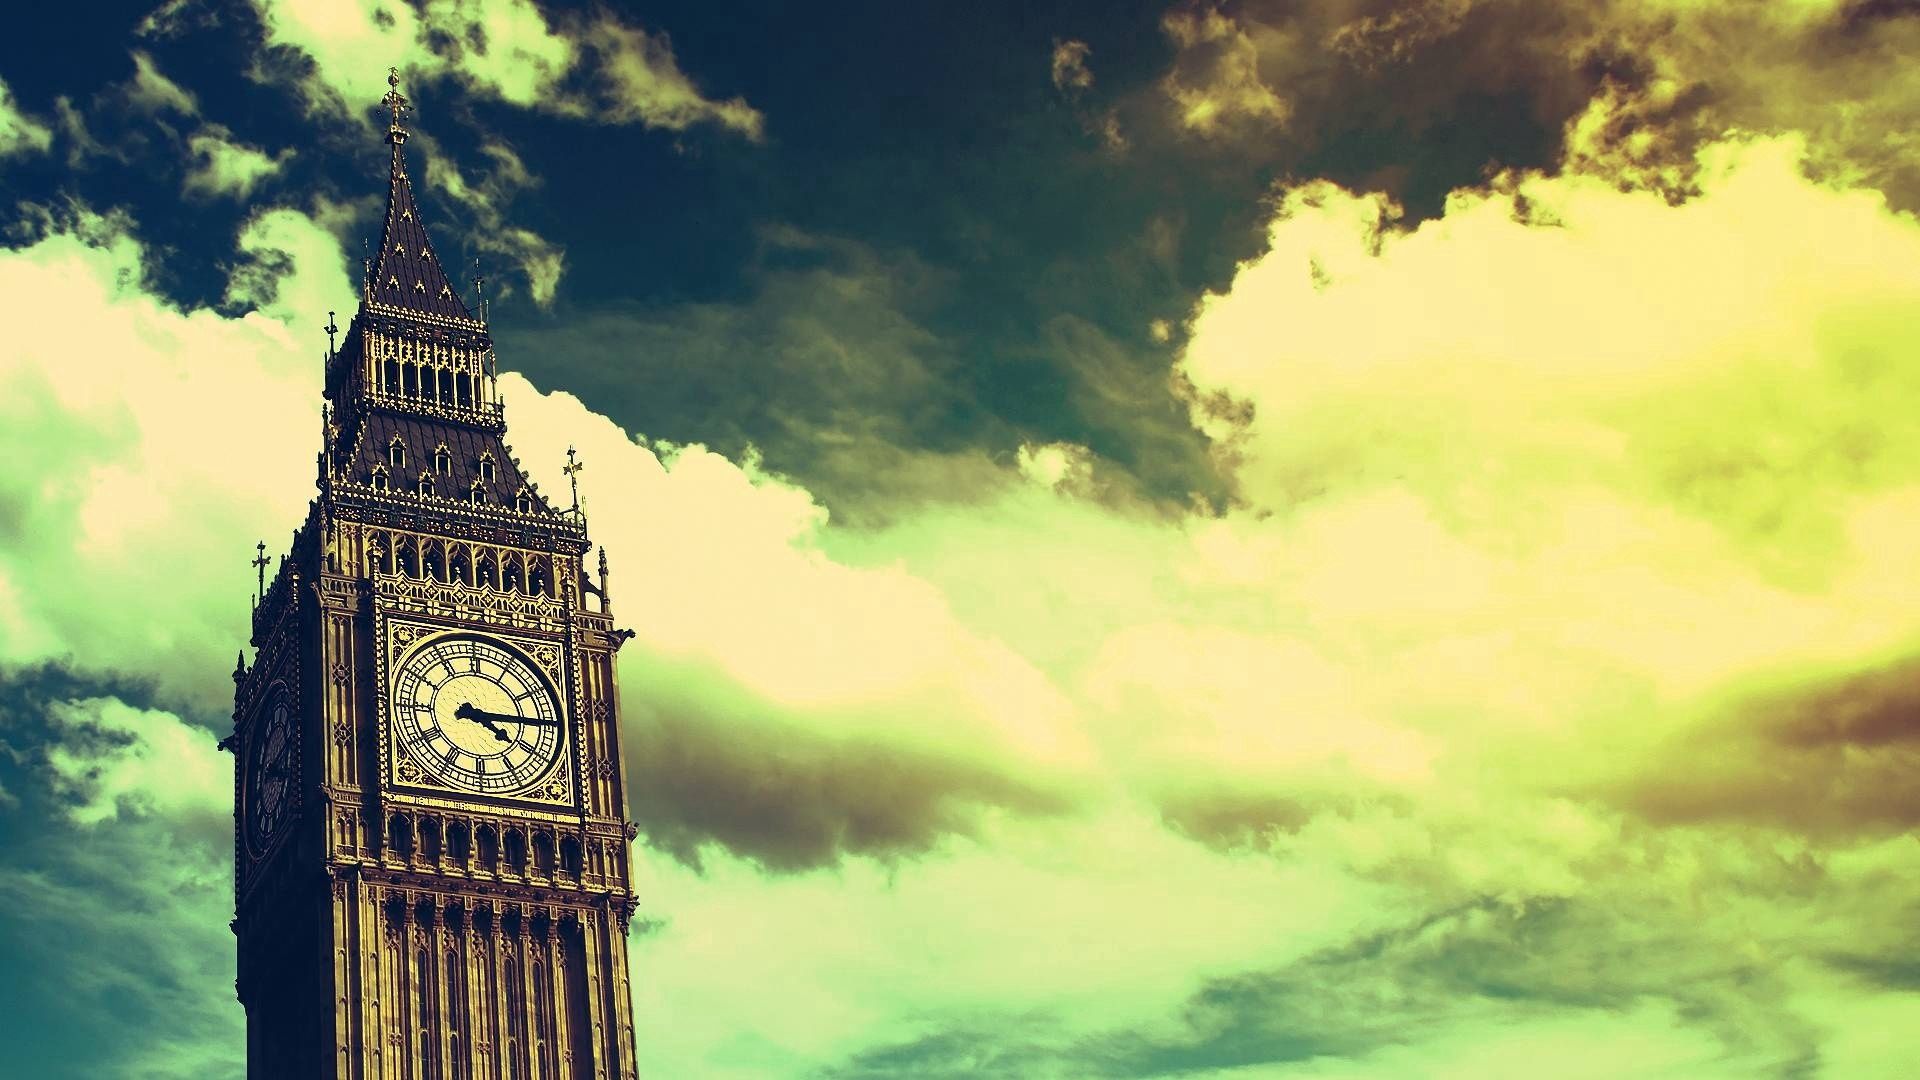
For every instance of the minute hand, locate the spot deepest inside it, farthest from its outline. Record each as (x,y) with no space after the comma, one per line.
(470,712)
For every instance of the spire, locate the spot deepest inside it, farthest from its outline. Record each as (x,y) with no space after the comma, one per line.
(406,273)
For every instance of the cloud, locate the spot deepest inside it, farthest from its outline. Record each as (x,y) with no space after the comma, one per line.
(541,261)
(224,167)
(643,84)
(765,683)
(113,475)
(596,68)
(20,133)
(1635,86)
(113,758)
(1216,81)
(1073,78)
(829,362)
(1838,753)
(157,93)
(117,875)
(1070,72)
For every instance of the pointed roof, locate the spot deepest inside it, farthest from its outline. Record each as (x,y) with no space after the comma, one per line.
(406,273)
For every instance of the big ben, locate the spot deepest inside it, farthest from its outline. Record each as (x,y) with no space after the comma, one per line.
(431,853)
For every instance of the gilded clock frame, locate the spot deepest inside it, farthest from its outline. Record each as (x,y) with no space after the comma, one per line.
(396,636)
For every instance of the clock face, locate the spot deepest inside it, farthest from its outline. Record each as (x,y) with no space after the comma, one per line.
(270,773)
(474,715)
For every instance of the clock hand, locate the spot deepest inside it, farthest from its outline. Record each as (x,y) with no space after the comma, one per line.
(468,712)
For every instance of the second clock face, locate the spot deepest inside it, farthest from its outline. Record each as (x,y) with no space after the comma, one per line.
(270,774)
(475,715)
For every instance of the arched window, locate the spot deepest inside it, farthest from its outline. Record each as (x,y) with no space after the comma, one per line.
(442,459)
(379,478)
(542,1022)
(511,976)
(397,453)
(487,467)
(451,986)
(423,1030)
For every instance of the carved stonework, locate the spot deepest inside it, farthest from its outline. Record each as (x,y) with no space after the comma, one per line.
(548,658)
(337,673)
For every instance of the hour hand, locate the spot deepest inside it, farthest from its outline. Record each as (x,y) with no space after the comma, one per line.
(491,720)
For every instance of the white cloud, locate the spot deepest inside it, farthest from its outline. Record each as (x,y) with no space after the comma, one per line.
(224,167)
(154,91)
(20,133)
(118,485)
(540,260)
(506,49)
(113,759)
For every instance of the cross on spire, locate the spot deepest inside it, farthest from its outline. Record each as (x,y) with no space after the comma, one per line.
(260,562)
(572,469)
(396,103)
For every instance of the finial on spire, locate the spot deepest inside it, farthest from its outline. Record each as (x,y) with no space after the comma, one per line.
(331,330)
(260,563)
(479,281)
(572,470)
(399,106)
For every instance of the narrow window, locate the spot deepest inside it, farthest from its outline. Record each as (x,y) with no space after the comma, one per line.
(379,478)
(454,1015)
(442,460)
(543,1031)
(478,494)
(397,453)
(523,502)
(424,1029)
(426,484)
(486,467)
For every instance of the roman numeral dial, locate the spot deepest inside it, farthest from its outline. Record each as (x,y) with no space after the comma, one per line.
(473,714)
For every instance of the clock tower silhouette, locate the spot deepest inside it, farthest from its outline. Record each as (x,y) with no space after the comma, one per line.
(430,843)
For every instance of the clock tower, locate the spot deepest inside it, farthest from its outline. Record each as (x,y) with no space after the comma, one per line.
(430,845)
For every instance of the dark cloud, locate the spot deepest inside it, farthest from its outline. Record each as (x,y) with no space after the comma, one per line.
(117,944)
(1836,758)
(705,770)
(1479,971)
(1236,819)
(838,370)
(1510,76)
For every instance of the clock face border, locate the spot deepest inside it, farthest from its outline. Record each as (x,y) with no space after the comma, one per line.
(407,776)
(278,705)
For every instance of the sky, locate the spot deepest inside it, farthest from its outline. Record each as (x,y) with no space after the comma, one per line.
(1325,538)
